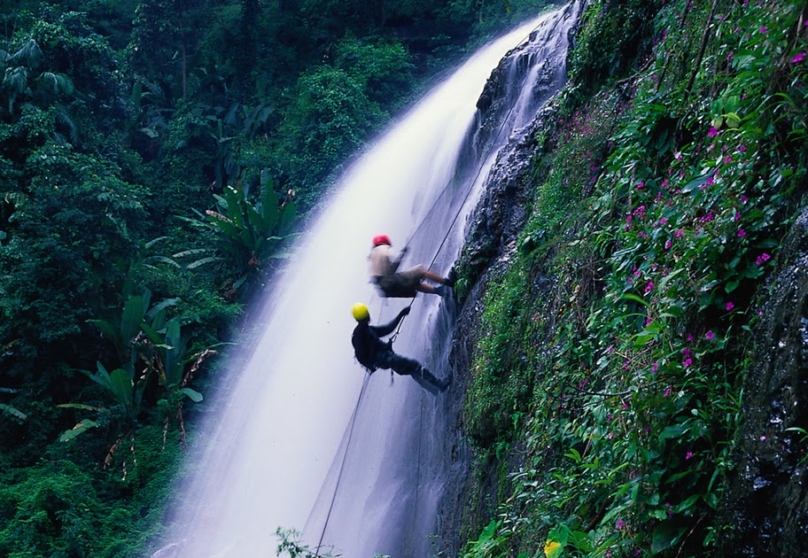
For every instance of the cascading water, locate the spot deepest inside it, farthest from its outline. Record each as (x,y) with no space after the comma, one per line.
(284,450)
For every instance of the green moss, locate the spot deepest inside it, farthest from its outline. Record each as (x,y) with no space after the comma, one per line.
(658,220)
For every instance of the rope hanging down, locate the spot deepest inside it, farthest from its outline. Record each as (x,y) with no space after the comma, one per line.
(454,220)
(398,329)
(342,465)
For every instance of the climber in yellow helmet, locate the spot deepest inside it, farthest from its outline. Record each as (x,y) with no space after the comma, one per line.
(373,353)
(405,284)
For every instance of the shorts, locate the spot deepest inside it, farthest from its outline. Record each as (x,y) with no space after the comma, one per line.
(403,284)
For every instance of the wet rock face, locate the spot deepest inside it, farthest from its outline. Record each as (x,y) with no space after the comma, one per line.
(503,208)
(492,231)
(768,498)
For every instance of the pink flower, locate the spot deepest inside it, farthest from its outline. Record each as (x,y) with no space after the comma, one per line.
(713,132)
(655,367)
(667,391)
(737,215)
(709,335)
(679,233)
(729,306)
(688,455)
(741,233)
(649,286)
(687,362)
(727,159)
(663,221)
(620,524)
(668,244)
(799,57)
(763,29)
(761,259)
(742,148)
(744,199)
(640,185)
(664,182)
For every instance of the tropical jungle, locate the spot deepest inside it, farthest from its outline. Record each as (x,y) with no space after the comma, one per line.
(635,384)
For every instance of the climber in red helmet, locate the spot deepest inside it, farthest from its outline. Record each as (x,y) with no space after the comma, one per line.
(404,284)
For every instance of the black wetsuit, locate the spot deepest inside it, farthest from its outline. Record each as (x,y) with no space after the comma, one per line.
(373,353)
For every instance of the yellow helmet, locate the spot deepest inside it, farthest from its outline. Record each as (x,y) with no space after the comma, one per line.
(360,312)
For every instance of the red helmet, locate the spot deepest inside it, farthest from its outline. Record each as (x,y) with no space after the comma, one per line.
(381,239)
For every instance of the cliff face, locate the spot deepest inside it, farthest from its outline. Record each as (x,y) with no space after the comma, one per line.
(470,499)
(654,319)
(768,500)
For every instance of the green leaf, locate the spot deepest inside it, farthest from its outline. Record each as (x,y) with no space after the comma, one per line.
(192,252)
(203,261)
(193,395)
(642,339)
(83,426)
(161,259)
(133,313)
(687,504)
(174,354)
(161,306)
(667,279)
(107,330)
(634,298)
(101,376)
(80,406)
(673,431)
(121,387)
(698,182)
(489,531)
(666,534)
(574,455)
(151,243)
(13,411)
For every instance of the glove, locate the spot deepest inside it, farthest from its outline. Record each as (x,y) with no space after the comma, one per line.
(404,311)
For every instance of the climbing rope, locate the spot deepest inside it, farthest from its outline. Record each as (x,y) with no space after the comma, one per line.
(342,465)
(398,329)
(454,220)
(476,176)
(460,207)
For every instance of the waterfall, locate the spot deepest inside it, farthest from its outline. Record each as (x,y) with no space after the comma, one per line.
(283,450)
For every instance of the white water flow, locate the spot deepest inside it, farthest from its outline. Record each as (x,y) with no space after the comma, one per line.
(278,453)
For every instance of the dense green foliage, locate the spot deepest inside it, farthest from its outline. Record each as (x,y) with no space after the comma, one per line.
(156,157)
(622,378)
